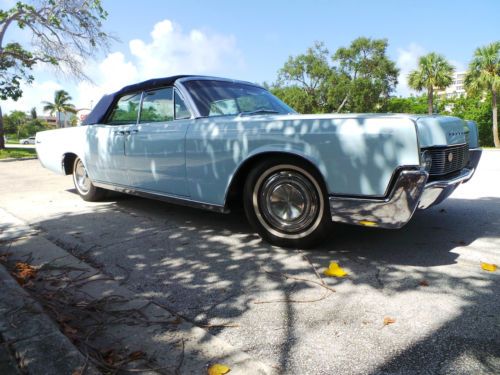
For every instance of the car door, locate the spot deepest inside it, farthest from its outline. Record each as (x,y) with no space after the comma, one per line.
(106,142)
(155,147)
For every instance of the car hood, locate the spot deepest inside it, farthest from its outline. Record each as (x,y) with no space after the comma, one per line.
(432,130)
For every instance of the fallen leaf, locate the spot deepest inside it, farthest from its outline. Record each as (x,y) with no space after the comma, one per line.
(77,372)
(490,267)
(176,320)
(334,270)
(218,369)
(138,354)
(389,320)
(423,283)
(24,272)
(68,330)
(110,356)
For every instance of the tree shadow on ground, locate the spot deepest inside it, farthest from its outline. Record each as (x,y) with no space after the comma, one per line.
(213,268)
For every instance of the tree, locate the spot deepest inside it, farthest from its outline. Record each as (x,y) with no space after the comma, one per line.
(412,104)
(65,33)
(304,80)
(472,107)
(33,113)
(433,72)
(484,76)
(369,74)
(14,122)
(61,105)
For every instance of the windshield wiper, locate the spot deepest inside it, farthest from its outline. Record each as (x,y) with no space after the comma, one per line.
(258,112)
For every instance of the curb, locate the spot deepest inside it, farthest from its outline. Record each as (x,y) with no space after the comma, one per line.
(182,343)
(38,344)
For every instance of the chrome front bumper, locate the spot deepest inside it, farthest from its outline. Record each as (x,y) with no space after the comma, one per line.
(410,191)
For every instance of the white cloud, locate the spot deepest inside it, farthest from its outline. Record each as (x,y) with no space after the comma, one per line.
(407,61)
(168,51)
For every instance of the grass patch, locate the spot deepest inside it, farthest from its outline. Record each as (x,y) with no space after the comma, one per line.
(17,153)
(12,139)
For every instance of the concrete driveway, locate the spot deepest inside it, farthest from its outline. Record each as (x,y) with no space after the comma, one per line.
(212,269)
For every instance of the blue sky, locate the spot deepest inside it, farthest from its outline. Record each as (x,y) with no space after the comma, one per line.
(251,40)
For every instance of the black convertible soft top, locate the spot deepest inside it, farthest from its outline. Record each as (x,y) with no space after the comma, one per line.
(102,107)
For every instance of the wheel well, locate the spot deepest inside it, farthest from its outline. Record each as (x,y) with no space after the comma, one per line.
(235,191)
(67,162)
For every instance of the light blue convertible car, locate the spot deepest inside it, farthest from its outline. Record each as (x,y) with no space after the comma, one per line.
(215,143)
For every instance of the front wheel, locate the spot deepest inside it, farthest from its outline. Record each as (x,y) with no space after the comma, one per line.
(84,185)
(286,203)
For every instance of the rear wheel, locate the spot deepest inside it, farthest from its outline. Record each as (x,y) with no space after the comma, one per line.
(286,203)
(83,183)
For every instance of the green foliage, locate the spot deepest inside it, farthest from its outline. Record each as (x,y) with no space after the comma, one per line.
(484,77)
(304,80)
(371,75)
(433,71)
(18,125)
(472,108)
(484,70)
(360,79)
(60,105)
(14,121)
(17,153)
(64,34)
(412,104)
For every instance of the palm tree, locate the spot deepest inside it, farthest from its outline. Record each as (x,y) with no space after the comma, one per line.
(484,75)
(61,105)
(433,72)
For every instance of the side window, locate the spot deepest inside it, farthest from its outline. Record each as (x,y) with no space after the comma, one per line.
(181,110)
(125,110)
(157,106)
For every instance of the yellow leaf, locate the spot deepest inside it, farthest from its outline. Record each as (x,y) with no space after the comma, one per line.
(489,267)
(334,270)
(218,369)
(388,320)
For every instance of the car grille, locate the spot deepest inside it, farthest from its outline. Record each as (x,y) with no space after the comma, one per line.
(441,164)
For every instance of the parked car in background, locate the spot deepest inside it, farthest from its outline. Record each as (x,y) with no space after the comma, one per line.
(27,141)
(215,143)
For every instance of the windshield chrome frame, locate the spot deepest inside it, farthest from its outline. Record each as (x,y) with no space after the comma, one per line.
(179,84)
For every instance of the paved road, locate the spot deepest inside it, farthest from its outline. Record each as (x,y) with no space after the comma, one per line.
(212,269)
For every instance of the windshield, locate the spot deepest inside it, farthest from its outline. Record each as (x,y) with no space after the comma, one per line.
(222,98)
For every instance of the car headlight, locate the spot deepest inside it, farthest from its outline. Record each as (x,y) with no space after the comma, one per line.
(426,160)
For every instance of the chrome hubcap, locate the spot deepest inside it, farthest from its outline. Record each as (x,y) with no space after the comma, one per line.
(82,180)
(288,201)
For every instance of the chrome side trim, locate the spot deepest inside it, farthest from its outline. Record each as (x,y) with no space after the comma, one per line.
(392,212)
(175,199)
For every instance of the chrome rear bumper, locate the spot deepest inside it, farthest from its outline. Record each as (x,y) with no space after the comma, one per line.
(410,191)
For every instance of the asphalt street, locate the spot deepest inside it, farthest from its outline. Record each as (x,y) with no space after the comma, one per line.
(212,269)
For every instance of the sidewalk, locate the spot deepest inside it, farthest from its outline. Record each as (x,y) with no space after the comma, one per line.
(112,326)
